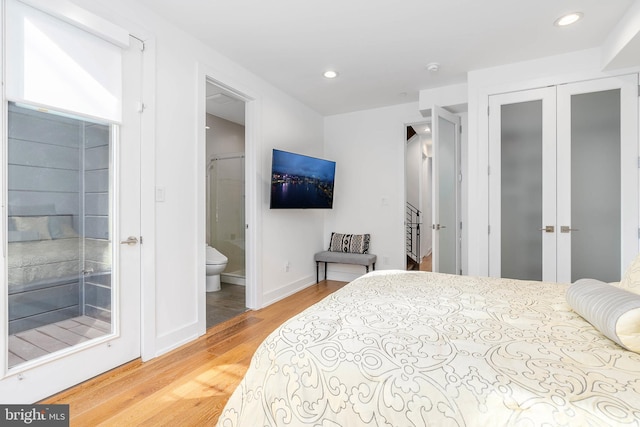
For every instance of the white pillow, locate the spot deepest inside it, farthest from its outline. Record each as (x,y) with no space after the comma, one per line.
(60,227)
(631,279)
(39,224)
(613,311)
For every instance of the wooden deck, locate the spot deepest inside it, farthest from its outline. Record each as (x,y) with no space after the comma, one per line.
(38,342)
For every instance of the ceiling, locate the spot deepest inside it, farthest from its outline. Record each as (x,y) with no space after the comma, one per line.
(224,103)
(381,48)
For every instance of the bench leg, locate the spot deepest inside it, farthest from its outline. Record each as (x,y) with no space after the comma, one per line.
(325,270)
(317,272)
(367,267)
(374,265)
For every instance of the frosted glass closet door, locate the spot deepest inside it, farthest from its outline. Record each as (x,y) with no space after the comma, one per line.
(597,178)
(522,185)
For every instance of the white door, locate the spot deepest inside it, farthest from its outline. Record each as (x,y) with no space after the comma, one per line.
(105,332)
(597,223)
(446,191)
(522,180)
(563,181)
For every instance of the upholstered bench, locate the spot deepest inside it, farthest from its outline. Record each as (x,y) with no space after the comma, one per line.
(346,249)
(343,258)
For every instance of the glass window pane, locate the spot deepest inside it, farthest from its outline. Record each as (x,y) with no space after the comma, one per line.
(59,248)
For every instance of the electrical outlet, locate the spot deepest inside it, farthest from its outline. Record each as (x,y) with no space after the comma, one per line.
(286,267)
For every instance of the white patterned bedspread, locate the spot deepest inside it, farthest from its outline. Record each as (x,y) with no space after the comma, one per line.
(414,349)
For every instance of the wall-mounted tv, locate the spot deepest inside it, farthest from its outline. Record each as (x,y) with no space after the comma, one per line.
(301,182)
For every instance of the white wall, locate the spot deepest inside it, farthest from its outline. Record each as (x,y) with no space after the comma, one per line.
(173,299)
(412,171)
(289,235)
(369,196)
(223,136)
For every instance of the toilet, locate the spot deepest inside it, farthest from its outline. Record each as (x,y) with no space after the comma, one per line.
(216,263)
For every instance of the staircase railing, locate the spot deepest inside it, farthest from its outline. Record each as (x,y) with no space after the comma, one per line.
(412,221)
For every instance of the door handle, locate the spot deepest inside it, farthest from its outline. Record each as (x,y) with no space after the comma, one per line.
(438,226)
(131,240)
(548,229)
(567,229)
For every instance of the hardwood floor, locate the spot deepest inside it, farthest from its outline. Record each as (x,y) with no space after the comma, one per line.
(425,265)
(190,385)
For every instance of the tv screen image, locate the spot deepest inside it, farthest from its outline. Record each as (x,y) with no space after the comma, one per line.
(301,182)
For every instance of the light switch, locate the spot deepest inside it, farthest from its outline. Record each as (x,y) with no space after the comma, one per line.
(159,194)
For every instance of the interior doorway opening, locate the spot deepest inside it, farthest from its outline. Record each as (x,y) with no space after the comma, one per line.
(225,204)
(418,195)
(433,188)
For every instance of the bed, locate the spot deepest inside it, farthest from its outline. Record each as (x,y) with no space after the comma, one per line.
(396,348)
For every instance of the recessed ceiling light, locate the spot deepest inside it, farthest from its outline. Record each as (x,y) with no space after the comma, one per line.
(330,74)
(427,129)
(568,19)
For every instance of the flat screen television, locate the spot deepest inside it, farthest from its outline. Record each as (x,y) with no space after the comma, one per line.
(301,182)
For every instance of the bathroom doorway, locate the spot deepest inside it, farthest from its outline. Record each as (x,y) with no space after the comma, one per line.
(225,199)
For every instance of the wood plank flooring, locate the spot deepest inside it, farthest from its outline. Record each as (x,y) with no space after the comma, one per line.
(425,264)
(190,385)
(34,343)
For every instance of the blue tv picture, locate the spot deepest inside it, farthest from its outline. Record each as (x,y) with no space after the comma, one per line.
(301,182)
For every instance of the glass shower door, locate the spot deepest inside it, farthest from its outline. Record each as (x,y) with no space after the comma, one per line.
(227,221)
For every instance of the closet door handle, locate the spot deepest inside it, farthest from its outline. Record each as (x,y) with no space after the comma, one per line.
(131,240)
(548,229)
(567,229)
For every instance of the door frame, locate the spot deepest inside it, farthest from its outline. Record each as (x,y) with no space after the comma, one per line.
(253,188)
